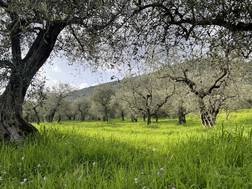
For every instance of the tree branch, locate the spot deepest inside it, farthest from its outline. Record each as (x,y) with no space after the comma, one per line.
(3,4)
(218,82)
(219,20)
(160,105)
(185,80)
(6,64)
(77,39)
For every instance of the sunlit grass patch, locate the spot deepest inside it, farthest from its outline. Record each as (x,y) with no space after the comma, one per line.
(130,155)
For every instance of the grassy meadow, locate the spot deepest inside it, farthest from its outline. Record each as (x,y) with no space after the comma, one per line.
(125,155)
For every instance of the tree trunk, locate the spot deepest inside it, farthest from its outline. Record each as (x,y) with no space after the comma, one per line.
(59,118)
(181,115)
(207,119)
(105,118)
(12,125)
(144,117)
(181,119)
(148,117)
(51,115)
(133,118)
(83,117)
(122,115)
(69,117)
(36,115)
(156,117)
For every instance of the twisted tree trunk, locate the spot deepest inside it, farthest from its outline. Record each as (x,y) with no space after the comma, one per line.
(12,125)
(208,117)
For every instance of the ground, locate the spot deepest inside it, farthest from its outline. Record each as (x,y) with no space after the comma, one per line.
(125,155)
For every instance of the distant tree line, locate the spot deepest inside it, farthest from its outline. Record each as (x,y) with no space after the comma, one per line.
(207,85)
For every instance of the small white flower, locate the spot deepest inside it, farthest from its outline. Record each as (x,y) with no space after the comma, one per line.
(173,187)
(136,180)
(38,165)
(161,169)
(94,163)
(44,177)
(1,178)
(22,158)
(24,181)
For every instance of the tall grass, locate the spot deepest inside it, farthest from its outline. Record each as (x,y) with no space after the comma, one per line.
(124,155)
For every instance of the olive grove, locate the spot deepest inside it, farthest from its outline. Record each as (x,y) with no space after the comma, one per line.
(112,31)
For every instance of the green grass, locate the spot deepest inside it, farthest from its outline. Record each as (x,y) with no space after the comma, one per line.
(125,155)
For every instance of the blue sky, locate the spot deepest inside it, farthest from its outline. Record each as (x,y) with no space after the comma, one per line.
(78,75)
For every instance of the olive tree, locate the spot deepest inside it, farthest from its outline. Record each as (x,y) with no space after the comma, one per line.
(83,106)
(102,98)
(56,97)
(213,80)
(31,31)
(182,103)
(147,94)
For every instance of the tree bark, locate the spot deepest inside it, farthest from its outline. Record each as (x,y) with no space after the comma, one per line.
(122,116)
(12,125)
(144,117)
(106,117)
(207,118)
(181,119)
(156,117)
(148,117)
(181,115)
(59,118)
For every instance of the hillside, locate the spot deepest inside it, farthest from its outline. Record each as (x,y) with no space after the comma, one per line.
(90,90)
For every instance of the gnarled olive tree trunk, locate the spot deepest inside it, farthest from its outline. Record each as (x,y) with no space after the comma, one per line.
(208,116)
(12,125)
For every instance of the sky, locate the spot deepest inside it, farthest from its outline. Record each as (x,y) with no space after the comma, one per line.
(77,75)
